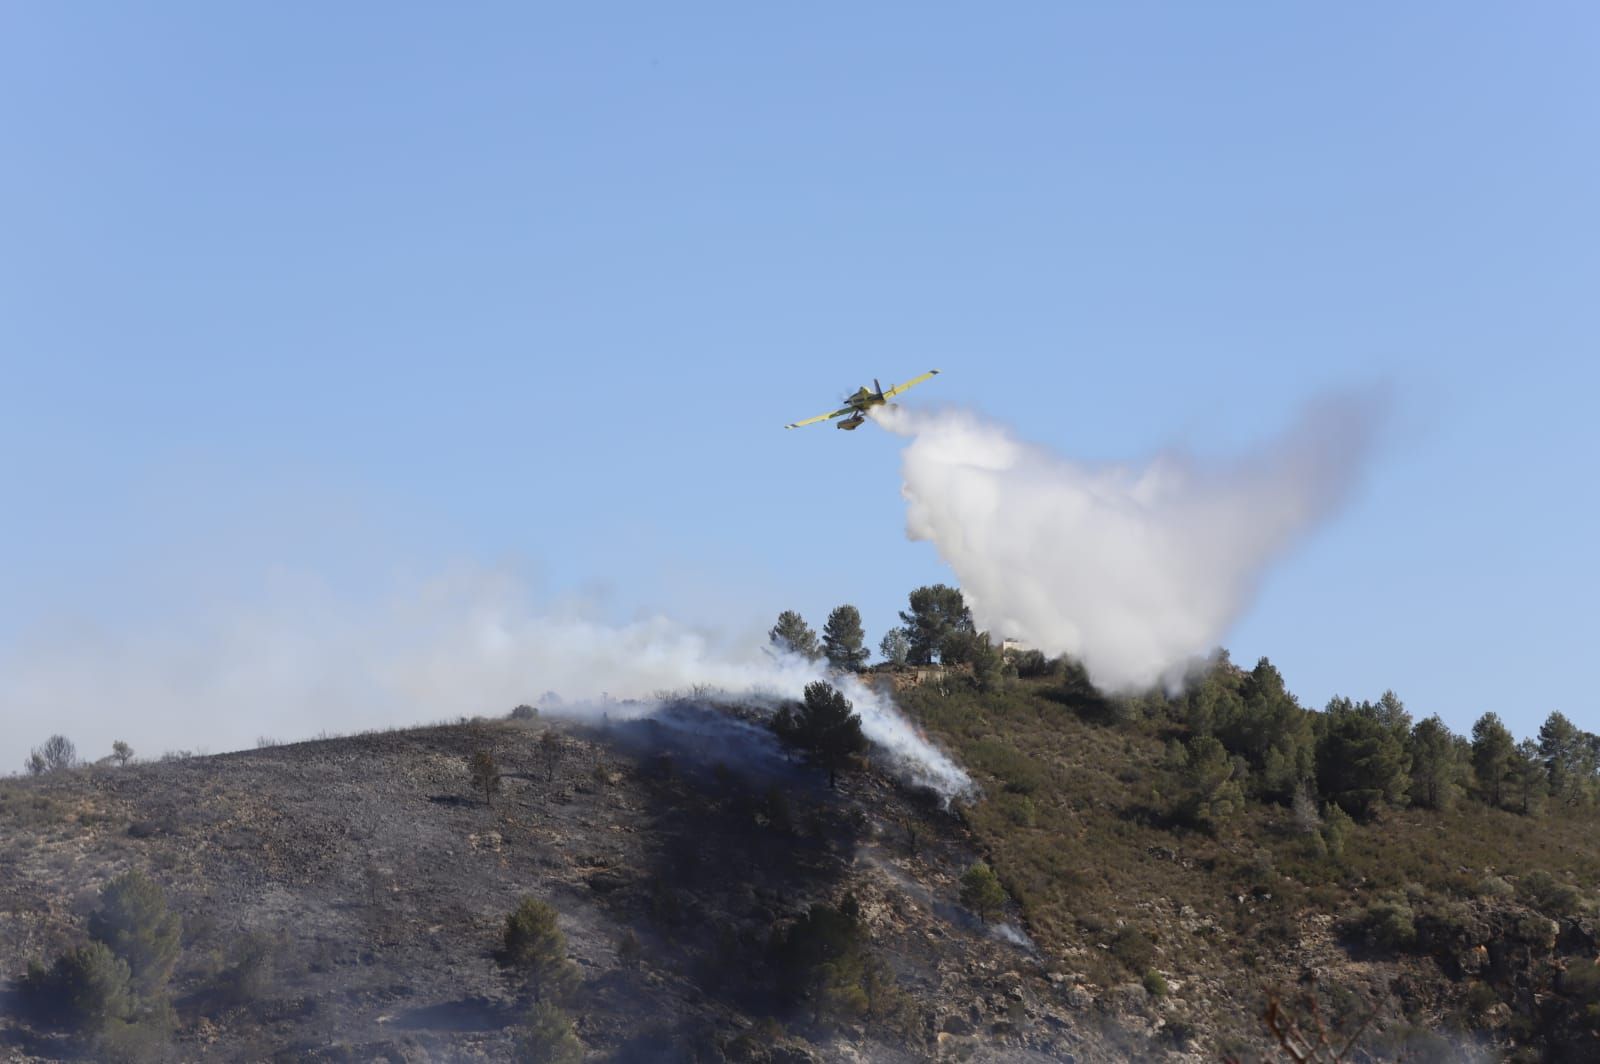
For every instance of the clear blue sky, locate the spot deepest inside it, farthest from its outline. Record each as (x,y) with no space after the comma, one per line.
(367,290)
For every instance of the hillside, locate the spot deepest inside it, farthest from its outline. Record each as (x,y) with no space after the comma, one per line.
(1435,933)
(343,899)
(362,886)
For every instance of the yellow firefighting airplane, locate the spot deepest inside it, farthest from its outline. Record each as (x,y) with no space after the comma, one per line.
(863,399)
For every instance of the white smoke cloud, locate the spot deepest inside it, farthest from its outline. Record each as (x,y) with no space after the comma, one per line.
(1133,570)
(308,661)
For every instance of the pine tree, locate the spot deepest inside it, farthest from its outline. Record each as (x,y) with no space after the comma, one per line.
(1336,828)
(1211,795)
(1561,751)
(824,726)
(1492,747)
(975,649)
(935,614)
(1527,777)
(1434,764)
(843,640)
(981,891)
(485,774)
(534,947)
(792,635)
(88,987)
(1391,713)
(988,664)
(134,921)
(895,647)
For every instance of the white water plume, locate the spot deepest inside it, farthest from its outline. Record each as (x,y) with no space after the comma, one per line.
(1134,570)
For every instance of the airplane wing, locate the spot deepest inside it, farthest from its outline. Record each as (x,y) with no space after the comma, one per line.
(820,417)
(890,393)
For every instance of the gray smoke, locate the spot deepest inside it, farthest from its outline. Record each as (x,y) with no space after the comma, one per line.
(1135,570)
(465,644)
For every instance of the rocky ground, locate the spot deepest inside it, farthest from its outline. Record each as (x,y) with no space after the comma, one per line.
(377,882)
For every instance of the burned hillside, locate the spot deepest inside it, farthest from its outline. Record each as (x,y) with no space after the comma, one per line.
(343,899)
(1120,881)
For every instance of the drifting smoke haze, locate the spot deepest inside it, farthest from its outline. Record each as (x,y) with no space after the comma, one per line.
(1135,571)
(463,645)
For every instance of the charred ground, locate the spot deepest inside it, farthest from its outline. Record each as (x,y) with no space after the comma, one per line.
(367,883)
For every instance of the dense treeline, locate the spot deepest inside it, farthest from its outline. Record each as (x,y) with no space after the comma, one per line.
(936,628)
(1247,736)
(1368,756)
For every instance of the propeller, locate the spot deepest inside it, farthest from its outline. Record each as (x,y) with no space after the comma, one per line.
(878,386)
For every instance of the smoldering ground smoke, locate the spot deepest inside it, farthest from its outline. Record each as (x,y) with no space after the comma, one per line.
(306,660)
(1135,570)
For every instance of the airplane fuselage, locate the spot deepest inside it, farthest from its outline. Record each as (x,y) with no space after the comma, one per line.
(861,401)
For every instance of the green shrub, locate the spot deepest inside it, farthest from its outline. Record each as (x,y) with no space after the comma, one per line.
(1031,664)
(1181,1033)
(1133,948)
(981,891)
(1019,809)
(1533,930)
(1581,982)
(1481,998)
(248,977)
(88,988)
(888,1004)
(1155,984)
(1448,926)
(548,1037)
(1016,771)
(533,946)
(1495,887)
(1336,828)
(821,960)
(144,1041)
(133,920)
(1389,924)
(1550,896)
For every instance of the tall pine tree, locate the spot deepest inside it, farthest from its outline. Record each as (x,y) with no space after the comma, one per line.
(843,641)
(1492,749)
(792,635)
(824,727)
(936,613)
(1434,764)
